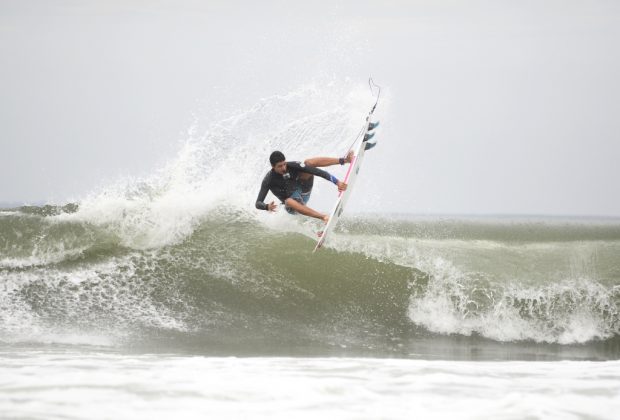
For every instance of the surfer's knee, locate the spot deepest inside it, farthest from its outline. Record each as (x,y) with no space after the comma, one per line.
(292,203)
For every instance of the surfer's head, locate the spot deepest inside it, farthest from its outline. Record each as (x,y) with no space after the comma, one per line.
(278,162)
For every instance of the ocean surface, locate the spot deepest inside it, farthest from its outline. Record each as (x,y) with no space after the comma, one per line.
(171,295)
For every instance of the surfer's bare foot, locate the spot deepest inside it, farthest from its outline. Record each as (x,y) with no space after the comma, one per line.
(349,157)
(325,218)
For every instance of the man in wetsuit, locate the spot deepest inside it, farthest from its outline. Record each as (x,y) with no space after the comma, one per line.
(292,183)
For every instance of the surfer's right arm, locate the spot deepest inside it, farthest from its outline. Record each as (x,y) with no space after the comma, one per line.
(260,200)
(319,172)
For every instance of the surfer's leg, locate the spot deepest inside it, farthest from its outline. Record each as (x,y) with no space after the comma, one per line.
(300,195)
(305,210)
(318,162)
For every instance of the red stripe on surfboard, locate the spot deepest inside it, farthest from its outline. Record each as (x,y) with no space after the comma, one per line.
(346,177)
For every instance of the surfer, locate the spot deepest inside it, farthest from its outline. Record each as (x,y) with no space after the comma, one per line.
(292,183)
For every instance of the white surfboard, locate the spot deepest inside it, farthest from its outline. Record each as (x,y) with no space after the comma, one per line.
(349,179)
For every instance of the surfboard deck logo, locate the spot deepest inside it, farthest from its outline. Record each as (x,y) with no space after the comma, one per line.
(352,172)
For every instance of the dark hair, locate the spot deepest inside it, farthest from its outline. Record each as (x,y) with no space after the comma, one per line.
(276,157)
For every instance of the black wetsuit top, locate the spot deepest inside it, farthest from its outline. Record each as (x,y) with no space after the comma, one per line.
(282,186)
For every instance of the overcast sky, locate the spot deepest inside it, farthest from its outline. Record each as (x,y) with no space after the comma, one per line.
(495,107)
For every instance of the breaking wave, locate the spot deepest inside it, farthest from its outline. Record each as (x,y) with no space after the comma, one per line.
(181,258)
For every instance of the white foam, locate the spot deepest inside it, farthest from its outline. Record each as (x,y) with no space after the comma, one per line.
(97,385)
(5,213)
(41,258)
(75,299)
(503,304)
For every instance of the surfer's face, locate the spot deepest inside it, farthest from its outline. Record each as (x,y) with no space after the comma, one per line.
(280,167)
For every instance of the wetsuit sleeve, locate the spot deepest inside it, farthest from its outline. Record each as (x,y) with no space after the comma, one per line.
(264,189)
(314,171)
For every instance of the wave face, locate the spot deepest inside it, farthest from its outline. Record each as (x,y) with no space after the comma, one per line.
(181,260)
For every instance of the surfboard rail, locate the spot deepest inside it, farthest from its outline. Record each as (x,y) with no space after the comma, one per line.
(349,179)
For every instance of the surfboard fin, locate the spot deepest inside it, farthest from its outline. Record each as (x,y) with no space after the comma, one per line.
(372,125)
(370,145)
(368,136)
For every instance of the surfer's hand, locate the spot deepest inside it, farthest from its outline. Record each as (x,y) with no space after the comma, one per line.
(272,206)
(349,157)
(341,186)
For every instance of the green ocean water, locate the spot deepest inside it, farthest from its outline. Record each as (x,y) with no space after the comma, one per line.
(386,286)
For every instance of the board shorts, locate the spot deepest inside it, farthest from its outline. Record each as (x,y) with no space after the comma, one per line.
(300,197)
